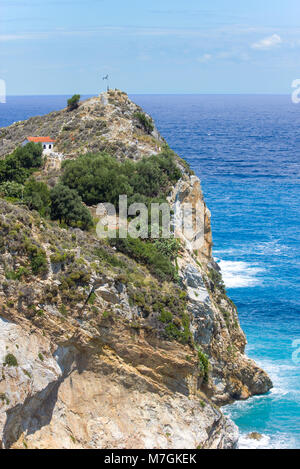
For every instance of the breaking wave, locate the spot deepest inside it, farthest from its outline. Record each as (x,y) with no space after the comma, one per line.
(238,274)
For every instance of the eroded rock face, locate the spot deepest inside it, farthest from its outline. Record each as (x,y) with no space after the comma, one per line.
(215,323)
(34,372)
(104,370)
(113,406)
(115,388)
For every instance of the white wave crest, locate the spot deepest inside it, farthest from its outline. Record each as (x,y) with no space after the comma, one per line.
(275,441)
(239,274)
(247,443)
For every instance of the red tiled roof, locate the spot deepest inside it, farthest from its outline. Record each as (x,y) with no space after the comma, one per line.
(40,139)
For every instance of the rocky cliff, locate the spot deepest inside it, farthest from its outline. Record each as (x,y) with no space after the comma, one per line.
(86,356)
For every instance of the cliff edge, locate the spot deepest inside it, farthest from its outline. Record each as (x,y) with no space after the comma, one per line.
(96,351)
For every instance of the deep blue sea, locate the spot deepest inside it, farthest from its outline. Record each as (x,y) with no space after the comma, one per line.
(246,150)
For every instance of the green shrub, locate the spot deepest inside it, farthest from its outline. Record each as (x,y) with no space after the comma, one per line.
(101,178)
(165,316)
(11,189)
(63,310)
(176,328)
(168,247)
(146,253)
(10,360)
(20,164)
(107,257)
(107,314)
(62,257)
(203,364)
(37,257)
(67,207)
(16,275)
(73,102)
(74,277)
(145,121)
(217,280)
(37,196)
(92,298)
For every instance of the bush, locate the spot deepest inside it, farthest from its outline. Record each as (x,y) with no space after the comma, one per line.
(108,258)
(37,257)
(217,280)
(203,364)
(145,121)
(16,274)
(62,257)
(168,247)
(66,206)
(11,189)
(176,328)
(37,196)
(101,178)
(107,314)
(74,278)
(10,360)
(165,316)
(148,254)
(73,102)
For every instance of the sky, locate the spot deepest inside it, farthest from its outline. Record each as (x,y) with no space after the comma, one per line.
(156,46)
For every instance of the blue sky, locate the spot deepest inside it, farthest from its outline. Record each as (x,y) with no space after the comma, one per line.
(166,46)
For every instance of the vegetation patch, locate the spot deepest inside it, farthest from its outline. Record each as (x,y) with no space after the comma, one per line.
(217,280)
(20,164)
(4,398)
(147,253)
(66,206)
(37,257)
(108,258)
(10,360)
(73,102)
(101,178)
(203,363)
(144,121)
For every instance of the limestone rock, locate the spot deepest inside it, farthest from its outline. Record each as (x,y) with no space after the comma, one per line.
(90,365)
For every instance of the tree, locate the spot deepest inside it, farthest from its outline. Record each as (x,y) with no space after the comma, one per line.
(37,196)
(29,155)
(66,206)
(21,163)
(73,102)
(101,178)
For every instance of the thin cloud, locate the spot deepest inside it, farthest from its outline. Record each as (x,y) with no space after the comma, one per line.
(267,42)
(16,37)
(204,58)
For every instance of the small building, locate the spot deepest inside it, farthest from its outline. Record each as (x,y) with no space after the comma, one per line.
(47,142)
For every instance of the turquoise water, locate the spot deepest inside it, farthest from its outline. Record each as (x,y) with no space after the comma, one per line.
(246,150)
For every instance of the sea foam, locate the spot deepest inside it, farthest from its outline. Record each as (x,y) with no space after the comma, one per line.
(239,274)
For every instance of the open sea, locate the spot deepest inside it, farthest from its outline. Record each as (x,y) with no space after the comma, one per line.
(246,151)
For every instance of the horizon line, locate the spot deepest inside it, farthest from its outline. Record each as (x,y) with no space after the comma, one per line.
(157,94)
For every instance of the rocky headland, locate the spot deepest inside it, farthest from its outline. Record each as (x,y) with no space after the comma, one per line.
(97,351)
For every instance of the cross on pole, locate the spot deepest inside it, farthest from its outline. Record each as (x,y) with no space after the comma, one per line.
(106,78)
